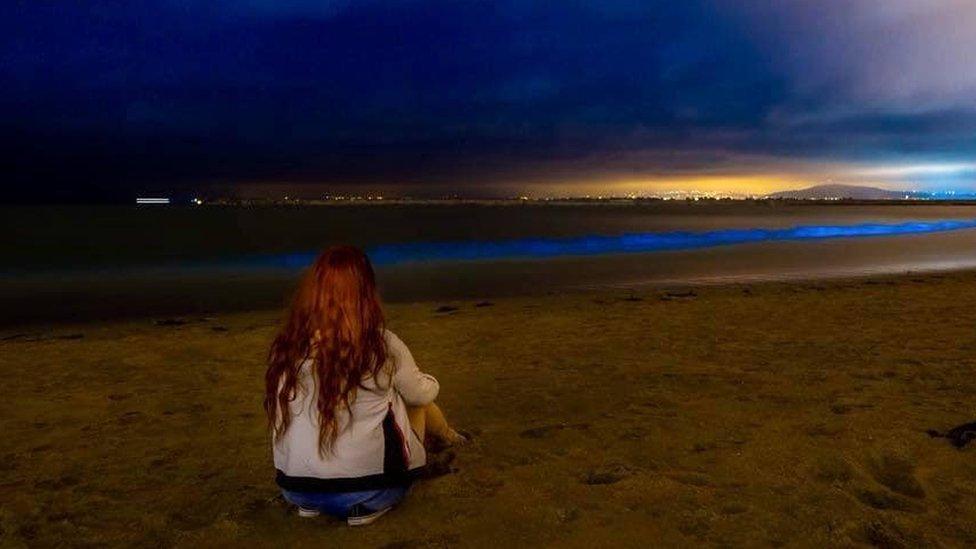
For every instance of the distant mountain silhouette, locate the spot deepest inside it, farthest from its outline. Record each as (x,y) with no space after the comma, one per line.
(827,192)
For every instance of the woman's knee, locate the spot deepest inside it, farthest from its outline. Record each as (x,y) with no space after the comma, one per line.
(417,415)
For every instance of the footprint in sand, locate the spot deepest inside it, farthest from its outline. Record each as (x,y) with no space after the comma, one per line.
(697,480)
(130,417)
(833,469)
(730,509)
(899,490)
(546,430)
(884,501)
(886,534)
(607,474)
(896,473)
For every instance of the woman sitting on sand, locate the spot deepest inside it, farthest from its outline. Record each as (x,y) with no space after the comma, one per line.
(347,406)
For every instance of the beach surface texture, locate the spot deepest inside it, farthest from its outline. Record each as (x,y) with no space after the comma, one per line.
(758,415)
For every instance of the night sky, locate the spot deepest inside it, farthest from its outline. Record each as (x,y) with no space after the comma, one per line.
(107,100)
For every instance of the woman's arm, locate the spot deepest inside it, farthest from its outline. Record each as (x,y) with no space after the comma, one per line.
(416,387)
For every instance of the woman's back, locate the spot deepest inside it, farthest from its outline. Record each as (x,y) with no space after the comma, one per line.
(374,447)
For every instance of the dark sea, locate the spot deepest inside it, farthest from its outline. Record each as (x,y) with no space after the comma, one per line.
(82,263)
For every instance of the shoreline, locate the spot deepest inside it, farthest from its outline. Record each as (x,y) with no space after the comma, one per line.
(139,263)
(159,294)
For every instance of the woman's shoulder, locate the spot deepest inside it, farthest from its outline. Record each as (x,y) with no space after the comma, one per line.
(393,342)
(397,351)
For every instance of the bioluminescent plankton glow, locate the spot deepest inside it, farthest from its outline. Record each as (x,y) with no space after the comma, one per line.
(538,248)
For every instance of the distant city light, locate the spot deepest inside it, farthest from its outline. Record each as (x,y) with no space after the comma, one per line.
(162,201)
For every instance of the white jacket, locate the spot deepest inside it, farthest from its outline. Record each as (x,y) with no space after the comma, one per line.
(375,449)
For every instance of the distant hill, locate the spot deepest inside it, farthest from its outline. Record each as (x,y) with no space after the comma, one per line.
(828,192)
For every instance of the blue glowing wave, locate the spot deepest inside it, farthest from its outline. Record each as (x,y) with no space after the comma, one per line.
(392,254)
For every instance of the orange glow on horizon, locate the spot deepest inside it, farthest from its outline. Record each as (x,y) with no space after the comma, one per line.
(758,179)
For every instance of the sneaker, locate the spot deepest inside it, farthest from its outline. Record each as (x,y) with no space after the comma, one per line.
(361,515)
(308,513)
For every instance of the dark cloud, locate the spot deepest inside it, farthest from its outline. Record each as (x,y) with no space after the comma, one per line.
(110,98)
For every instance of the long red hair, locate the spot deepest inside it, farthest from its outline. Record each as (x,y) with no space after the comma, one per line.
(336,320)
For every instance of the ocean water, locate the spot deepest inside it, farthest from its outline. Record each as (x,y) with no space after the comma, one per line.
(76,263)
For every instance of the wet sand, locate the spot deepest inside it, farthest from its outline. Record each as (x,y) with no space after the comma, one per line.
(763,414)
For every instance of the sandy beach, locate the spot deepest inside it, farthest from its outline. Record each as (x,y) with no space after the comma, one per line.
(763,415)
